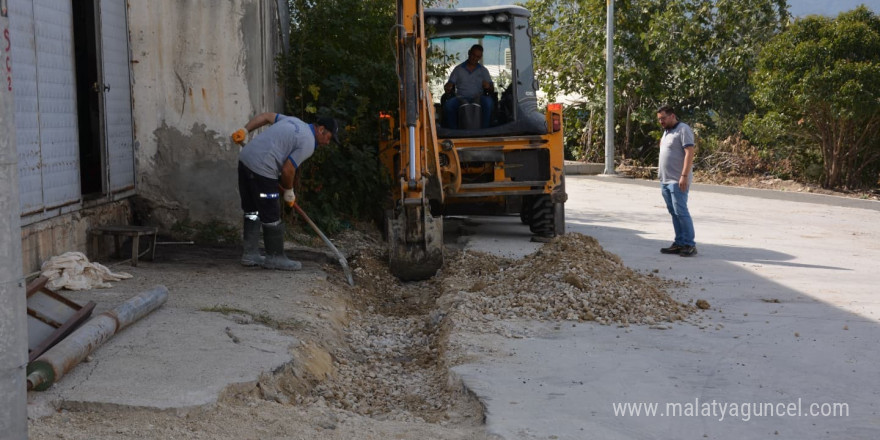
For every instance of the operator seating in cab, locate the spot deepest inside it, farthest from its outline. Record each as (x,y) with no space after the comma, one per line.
(470,113)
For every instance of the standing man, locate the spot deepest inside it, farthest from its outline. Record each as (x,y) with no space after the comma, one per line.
(676,175)
(266,168)
(469,80)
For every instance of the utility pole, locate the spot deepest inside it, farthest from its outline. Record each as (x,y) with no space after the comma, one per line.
(609,91)
(13,308)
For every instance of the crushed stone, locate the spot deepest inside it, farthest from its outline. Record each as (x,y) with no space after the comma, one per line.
(397,356)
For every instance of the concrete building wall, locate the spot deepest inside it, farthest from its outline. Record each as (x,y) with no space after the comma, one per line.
(13,327)
(201,69)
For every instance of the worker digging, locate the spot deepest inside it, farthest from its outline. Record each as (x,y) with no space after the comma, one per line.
(266,170)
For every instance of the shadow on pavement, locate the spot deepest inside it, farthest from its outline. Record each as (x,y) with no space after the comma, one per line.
(779,331)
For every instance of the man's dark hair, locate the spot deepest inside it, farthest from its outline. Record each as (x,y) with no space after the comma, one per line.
(476,46)
(666,109)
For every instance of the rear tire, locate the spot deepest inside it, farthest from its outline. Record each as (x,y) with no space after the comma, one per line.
(559,218)
(525,213)
(542,218)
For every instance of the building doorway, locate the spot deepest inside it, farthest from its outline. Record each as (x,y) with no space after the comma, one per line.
(88,93)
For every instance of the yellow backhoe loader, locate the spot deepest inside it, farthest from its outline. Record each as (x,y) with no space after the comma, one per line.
(460,160)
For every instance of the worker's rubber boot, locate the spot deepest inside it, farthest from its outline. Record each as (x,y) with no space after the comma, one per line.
(251,238)
(273,237)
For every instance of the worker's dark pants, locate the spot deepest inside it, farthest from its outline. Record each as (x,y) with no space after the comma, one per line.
(450,110)
(259,194)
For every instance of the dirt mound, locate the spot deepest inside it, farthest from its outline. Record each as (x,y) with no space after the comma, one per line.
(570,278)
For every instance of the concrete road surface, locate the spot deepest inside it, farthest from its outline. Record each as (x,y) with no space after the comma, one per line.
(793,346)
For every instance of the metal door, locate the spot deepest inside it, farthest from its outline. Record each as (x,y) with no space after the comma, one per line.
(46,114)
(115,59)
(45,103)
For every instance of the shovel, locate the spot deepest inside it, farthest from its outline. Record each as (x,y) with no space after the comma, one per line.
(339,255)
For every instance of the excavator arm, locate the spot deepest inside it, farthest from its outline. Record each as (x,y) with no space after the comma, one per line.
(415,236)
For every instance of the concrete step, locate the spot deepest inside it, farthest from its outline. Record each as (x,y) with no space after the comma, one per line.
(575,167)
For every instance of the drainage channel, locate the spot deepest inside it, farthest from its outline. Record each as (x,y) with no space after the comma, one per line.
(391,365)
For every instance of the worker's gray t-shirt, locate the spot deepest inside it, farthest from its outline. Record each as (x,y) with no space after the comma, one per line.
(287,138)
(469,84)
(672,146)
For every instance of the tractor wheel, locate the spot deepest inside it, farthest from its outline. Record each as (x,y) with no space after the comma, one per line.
(541,220)
(525,213)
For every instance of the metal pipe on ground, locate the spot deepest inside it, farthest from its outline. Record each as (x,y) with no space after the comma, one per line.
(60,359)
(339,256)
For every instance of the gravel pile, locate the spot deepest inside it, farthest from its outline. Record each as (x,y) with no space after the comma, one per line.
(571,278)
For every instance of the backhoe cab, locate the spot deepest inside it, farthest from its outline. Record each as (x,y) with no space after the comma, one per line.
(508,163)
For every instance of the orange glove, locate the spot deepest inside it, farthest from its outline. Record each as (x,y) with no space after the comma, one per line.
(240,136)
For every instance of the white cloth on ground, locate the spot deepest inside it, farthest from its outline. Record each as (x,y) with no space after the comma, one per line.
(73,271)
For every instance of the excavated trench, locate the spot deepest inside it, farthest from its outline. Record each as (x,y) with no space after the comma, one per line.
(394,355)
(389,361)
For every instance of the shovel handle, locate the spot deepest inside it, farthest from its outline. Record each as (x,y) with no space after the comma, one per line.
(329,244)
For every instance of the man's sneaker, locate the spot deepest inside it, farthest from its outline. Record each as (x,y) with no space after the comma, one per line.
(674,249)
(687,251)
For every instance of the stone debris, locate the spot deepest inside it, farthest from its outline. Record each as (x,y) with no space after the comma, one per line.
(391,367)
(572,278)
(394,365)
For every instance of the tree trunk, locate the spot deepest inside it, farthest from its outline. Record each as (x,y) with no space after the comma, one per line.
(589,143)
(865,153)
(628,134)
(828,134)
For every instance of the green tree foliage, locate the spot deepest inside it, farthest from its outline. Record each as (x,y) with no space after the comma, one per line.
(340,64)
(693,54)
(569,46)
(817,88)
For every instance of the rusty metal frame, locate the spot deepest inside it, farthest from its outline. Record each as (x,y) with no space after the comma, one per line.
(62,329)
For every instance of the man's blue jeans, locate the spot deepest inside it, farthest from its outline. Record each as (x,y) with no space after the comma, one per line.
(677,204)
(450,110)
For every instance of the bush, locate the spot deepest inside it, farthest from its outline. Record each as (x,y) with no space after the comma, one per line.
(340,67)
(817,91)
(583,139)
(735,156)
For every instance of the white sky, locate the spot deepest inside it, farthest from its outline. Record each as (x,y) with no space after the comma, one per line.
(796,7)
(829,7)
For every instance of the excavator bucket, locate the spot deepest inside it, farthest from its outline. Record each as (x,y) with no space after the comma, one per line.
(415,245)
